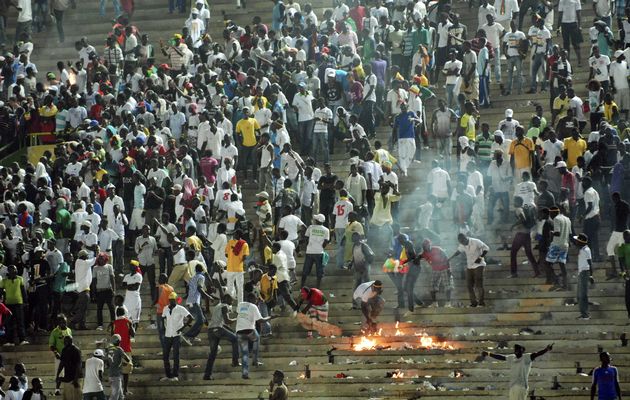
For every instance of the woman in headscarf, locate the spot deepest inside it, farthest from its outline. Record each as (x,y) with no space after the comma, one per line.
(189,190)
(41,172)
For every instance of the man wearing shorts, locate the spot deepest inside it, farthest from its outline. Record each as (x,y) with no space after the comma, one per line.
(441,277)
(559,246)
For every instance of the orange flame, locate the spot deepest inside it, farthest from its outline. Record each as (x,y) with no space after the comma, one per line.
(398,374)
(365,343)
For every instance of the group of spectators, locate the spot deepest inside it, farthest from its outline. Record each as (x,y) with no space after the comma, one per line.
(152,166)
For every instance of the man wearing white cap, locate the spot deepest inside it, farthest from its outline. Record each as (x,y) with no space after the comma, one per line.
(508,125)
(501,143)
(87,239)
(318,237)
(303,105)
(93,378)
(619,81)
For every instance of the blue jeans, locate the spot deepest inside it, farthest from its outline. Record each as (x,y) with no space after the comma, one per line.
(117,9)
(265,326)
(582,292)
(245,341)
(180,6)
(214,337)
(173,343)
(515,62)
(309,260)
(497,64)
(449,95)
(538,62)
(505,201)
(305,132)
(339,235)
(197,314)
(484,91)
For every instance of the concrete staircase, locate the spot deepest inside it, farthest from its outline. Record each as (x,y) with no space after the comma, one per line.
(519,310)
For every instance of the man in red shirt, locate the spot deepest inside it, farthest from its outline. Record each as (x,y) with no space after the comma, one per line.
(441,277)
(316,303)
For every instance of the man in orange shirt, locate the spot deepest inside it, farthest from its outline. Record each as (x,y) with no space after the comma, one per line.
(236,250)
(164,290)
(522,154)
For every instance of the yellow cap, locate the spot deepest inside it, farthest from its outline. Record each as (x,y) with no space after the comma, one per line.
(172,296)
(135,263)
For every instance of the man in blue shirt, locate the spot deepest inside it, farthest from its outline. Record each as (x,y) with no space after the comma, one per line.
(606,378)
(404,134)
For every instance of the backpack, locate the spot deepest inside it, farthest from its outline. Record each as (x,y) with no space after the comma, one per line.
(530,216)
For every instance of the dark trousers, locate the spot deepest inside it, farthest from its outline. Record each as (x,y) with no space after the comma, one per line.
(284,289)
(59,21)
(15,331)
(104,297)
(522,239)
(505,201)
(214,337)
(309,261)
(410,283)
(165,258)
(171,343)
(627,287)
(398,281)
(305,132)
(591,229)
(367,117)
(474,282)
(197,314)
(80,309)
(247,158)
(149,272)
(40,308)
(582,292)
(118,251)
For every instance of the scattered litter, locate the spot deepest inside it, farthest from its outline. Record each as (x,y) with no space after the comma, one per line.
(293,363)
(426,385)
(405,361)
(349,361)
(331,295)
(341,375)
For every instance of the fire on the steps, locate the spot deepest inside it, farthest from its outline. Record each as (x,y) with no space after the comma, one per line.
(397,340)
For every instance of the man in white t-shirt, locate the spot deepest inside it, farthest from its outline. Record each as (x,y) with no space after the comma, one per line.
(318,237)
(93,377)
(520,367)
(599,64)
(452,69)
(475,250)
(366,118)
(303,105)
(176,318)
(248,315)
(494,33)
(368,296)
(618,72)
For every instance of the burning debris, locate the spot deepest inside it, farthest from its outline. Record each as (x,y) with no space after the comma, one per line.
(396,374)
(421,340)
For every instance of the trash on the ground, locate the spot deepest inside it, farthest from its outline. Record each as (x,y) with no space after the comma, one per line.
(294,362)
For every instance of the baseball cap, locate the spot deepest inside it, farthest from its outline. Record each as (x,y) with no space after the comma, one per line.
(98,353)
(509,113)
(263,194)
(47,221)
(319,218)
(561,164)
(581,238)
(172,296)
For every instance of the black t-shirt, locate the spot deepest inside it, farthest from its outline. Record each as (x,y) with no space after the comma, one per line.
(622,209)
(327,191)
(152,201)
(71,361)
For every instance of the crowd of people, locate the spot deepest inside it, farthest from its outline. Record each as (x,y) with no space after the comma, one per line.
(152,167)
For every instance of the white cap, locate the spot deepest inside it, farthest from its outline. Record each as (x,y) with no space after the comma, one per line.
(561,164)
(98,353)
(330,73)
(509,113)
(499,132)
(177,187)
(46,221)
(263,194)
(618,53)
(319,218)
(53,88)
(86,223)
(463,141)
